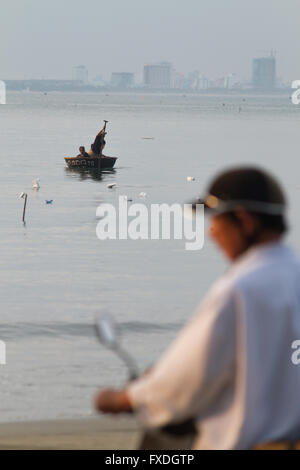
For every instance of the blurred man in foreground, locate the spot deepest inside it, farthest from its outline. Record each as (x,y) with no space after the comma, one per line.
(230,368)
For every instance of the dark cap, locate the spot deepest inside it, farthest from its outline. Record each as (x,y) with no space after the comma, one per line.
(245,187)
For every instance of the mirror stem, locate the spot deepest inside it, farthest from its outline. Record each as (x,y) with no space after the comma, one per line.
(130,363)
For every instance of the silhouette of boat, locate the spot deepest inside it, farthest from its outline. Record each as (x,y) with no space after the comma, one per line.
(94,159)
(93,162)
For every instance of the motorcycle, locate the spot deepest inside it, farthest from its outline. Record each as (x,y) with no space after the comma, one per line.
(170,437)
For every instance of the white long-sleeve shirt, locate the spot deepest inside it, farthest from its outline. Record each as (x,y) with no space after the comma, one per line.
(230,368)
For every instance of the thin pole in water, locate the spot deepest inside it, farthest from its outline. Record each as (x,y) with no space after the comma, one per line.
(24,196)
(24,210)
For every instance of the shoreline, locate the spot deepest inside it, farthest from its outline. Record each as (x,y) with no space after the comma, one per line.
(99,433)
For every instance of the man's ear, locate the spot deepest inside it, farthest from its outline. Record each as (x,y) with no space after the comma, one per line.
(248,221)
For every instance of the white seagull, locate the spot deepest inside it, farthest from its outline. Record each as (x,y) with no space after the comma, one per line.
(36,183)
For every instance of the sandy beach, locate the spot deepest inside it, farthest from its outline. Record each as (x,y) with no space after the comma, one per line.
(92,433)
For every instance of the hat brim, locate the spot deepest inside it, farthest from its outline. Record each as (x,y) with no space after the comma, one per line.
(214,205)
(203,201)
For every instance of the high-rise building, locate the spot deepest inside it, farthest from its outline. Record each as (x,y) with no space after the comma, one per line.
(122,79)
(264,72)
(98,81)
(158,75)
(80,74)
(197,81)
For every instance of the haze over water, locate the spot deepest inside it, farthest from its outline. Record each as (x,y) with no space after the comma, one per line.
(56,276)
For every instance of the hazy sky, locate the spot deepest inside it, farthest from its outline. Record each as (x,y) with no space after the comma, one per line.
(41,38)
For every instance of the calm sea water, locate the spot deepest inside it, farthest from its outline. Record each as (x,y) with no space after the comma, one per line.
(56,276)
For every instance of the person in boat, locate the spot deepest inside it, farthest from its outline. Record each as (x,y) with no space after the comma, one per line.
(99,142)
(82,152)
(232,368)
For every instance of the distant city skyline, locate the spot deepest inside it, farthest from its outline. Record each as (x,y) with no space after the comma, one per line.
(140,72)
(162,76)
